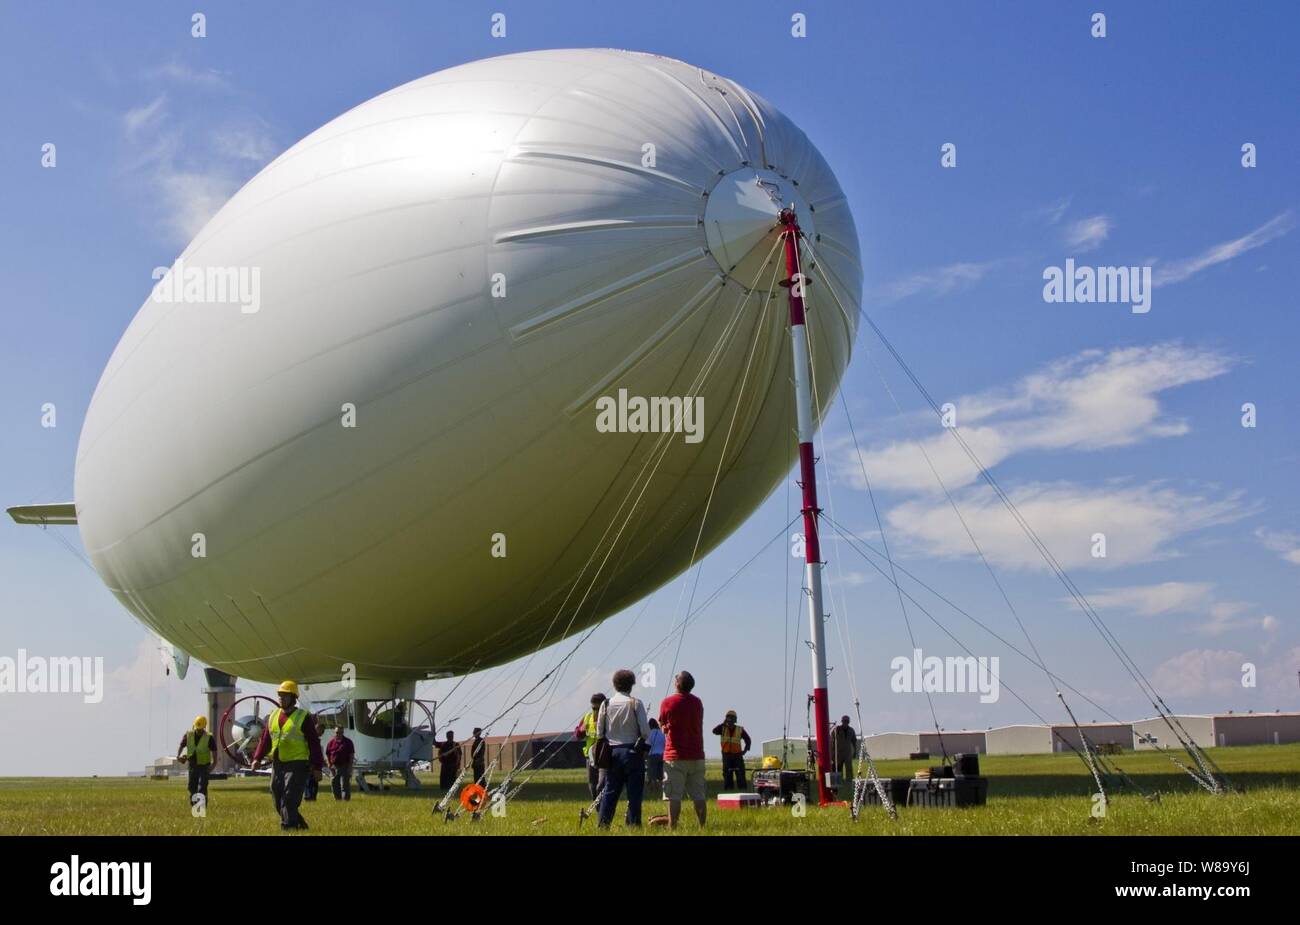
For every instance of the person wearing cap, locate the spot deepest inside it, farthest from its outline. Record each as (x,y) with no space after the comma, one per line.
(844,748)
(293,743)
(196,751)
(586,731)
(735,742)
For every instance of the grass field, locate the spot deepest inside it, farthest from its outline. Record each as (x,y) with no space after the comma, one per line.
(1036,794)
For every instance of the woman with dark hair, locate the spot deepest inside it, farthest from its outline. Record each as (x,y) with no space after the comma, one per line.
(623,724)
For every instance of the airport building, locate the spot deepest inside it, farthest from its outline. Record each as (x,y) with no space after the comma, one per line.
(1018,740)
(543,749)
(954,743)
(1256,728)
(1150,734)
(1218,730)
(1065,736)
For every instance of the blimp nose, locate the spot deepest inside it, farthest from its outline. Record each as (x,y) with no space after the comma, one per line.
(742,220)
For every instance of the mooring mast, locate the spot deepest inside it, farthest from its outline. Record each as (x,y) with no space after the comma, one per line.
(807,420)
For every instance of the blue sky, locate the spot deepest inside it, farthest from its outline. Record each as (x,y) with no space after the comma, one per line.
(1123,150)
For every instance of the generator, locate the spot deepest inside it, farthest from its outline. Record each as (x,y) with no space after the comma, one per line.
(895,787)
(780,785)
(947,791)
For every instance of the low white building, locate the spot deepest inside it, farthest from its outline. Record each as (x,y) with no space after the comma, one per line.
(1018,740)
(1153,733)
(893,744)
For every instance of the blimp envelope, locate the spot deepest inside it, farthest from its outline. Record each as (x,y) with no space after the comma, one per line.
(359,421)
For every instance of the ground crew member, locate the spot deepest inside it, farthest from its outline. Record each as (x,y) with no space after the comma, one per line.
(448,761)
(735,742)
(587,732)
(844,748)
(196,746)
(340,753)
(478,755)
(293,743)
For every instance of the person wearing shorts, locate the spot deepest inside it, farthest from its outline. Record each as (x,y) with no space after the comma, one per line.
(684,780)
(681,716)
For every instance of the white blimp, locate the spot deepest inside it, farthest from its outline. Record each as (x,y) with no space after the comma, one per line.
(458,373)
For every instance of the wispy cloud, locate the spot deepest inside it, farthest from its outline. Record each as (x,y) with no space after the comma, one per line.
(1090,401)
(1195,598)
(1140,523)
(190,161)
(1286,545)
(137,118)
(1051,213)
(937,281)
(179,72)
(1177,271)
(1153,600)
(1087,233)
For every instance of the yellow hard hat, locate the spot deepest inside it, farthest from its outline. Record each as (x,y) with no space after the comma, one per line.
(200,722)
(771,763)
(288,687)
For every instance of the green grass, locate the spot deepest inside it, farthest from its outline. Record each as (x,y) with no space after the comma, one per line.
(1033,794)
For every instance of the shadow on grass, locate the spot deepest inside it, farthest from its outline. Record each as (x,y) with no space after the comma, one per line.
(1055,785)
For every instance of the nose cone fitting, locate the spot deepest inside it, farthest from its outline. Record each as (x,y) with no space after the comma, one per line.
(742,222)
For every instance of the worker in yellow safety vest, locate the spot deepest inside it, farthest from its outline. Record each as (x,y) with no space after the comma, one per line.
(735,742)
(195,750)
(293,742)
(586,731)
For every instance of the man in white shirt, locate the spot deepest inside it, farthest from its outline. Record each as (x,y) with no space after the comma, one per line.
(623,723)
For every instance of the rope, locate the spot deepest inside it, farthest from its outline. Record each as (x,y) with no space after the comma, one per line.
(726,442)
(709,365)
(1108,636)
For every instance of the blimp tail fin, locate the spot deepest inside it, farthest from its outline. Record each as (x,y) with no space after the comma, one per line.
(44,514)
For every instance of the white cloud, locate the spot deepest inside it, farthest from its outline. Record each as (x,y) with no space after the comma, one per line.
(208,78)
(1051,213)
(245,143)
(1139,522)
(1151,600)
(193,198)
(937,281)
(1179,270)
(1091,401)
(1223,619)
(1222,616)
(1087,233)
(191,166)
(1287,545)
(1199,673)
(188,152)
(136,119)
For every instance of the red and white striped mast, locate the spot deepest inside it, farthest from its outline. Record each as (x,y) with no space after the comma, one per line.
(808,482)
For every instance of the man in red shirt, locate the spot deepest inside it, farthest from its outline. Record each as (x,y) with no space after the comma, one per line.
(682,717)
(339,754)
